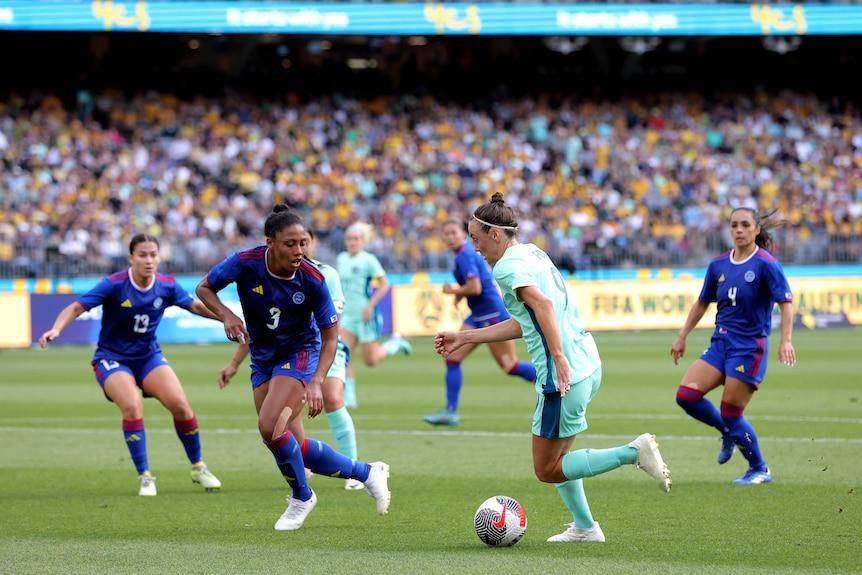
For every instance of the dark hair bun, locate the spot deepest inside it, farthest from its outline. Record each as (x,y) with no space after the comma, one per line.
(280,208)
(497,198)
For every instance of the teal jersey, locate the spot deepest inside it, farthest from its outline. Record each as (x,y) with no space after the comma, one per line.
(333,282)
(525,265)
(357,273)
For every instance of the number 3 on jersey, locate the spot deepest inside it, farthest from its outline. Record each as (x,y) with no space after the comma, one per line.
(275,313)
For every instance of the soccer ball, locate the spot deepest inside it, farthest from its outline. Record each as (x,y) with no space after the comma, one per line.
(500,521)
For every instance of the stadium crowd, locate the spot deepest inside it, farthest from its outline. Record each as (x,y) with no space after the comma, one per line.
(638,182)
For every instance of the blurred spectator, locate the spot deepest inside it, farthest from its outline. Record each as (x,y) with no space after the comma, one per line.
(639,182)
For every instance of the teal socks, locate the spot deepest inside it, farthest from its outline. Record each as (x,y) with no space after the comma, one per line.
(592,462)
(341,425)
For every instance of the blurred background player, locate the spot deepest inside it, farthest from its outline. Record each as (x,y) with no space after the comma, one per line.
(128,355)
(745,283)
(477,287)
(365,285)
(544,312)
(291,330)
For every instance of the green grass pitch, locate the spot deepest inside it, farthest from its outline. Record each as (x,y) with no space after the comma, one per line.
(68,491)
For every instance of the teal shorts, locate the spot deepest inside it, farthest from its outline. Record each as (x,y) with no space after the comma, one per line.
(557,416)
(339,364)
(365,331)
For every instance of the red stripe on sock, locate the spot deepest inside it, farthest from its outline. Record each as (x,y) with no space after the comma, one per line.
(453,362)
(514,369)
(186,426)
(133,424)
(278,441)
(304,447)
(731,410)
(688,394)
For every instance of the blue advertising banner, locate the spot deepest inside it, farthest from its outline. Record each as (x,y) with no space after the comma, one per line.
(177,326)
(433,18)
(45,308)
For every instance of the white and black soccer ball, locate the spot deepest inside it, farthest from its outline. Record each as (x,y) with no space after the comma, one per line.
(500,521)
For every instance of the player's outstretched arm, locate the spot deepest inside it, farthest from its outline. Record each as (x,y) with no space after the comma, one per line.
(64,318)
(677,349)
(234,329)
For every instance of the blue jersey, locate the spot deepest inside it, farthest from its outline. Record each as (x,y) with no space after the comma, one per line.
(468,265)
(281,315)
(745,292)
(131,314)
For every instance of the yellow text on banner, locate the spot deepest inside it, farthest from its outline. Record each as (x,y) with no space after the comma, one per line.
(627,304)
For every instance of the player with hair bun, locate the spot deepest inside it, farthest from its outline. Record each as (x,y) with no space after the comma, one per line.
(291,331)
(544,311)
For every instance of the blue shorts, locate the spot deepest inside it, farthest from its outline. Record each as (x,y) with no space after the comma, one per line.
(299,365)
(557,416)
(742,357)
(485,320)
(104,367)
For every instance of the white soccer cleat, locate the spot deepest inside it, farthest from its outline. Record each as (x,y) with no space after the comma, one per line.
(202,476)
(353,485)
(575,535)
(377,486)
(295,514)
(148,486)
(649,459)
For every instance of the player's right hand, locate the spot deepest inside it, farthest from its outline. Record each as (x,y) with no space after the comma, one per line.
(677,350)
(49,335)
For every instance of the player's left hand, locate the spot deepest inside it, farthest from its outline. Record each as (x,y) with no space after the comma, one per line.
(786,353)
(564,375)
(225,374)
(314,399)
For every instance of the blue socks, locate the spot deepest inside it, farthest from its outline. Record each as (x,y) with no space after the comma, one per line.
(323,460)
(454,381)
(696,405)
(743,434)
(288,457)
(524,369)
(136,441)
(189,435)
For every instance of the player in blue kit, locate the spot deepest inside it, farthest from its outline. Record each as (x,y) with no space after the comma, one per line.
(291,328)
(544,311)
(340,421)
(477,287)
(128,355)
(745,283)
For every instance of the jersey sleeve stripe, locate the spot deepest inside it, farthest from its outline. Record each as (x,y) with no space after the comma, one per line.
(254,254)
(311,270)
